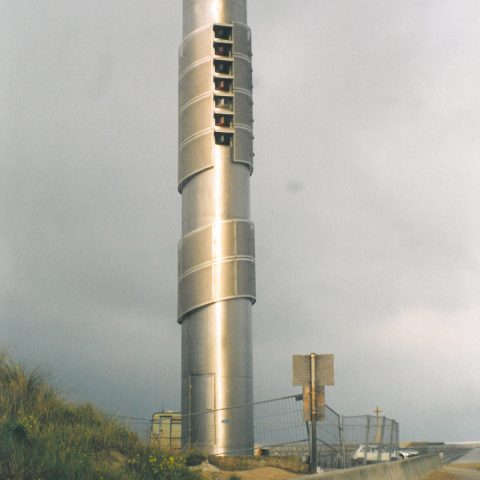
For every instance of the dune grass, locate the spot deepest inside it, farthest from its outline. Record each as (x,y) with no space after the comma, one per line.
(43,437)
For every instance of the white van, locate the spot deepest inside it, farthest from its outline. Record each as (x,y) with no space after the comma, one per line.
(374,454)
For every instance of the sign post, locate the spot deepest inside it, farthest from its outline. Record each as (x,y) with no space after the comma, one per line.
(313,372)
(313,414)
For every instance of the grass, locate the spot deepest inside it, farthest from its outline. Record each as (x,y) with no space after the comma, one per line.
(45,437)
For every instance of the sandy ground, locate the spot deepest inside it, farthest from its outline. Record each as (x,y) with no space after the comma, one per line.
(463,472)
(266,473)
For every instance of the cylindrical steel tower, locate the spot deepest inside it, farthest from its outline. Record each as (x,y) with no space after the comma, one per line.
(216,254)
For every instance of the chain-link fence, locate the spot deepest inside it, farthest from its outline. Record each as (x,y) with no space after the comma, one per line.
(280,430)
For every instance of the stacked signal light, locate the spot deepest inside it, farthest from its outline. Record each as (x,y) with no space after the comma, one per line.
(223,85)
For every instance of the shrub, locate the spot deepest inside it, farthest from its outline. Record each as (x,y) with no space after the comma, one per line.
(194,457)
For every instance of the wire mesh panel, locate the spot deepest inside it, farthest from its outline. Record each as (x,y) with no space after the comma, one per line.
(279,424)
(139,426)
(329,440)
(280,430)
(369,439)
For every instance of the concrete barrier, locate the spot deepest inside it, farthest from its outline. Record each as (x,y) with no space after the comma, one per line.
(412,469)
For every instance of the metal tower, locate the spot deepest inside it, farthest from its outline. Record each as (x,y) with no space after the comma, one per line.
(216,253)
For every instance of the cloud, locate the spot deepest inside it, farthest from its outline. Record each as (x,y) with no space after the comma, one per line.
(365,198)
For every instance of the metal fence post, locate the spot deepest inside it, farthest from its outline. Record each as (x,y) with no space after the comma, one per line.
(397,436)
(342,442)
(392,428)
(382,440)
(367,435)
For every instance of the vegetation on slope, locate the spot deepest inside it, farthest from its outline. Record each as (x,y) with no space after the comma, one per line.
(45,437)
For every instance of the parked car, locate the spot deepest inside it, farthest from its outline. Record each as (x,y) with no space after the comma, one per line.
(407,453)
(373,454)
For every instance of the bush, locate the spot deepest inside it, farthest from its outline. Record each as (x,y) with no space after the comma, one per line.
(194,457)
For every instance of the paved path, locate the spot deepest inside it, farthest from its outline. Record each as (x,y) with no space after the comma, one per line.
(473,456)
(462,473)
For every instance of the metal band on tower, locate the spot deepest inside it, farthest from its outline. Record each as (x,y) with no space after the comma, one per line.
(216,254)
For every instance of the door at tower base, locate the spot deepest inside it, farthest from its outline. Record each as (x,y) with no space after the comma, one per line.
(201,418)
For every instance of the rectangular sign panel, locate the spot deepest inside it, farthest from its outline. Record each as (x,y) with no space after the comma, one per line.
(324,372)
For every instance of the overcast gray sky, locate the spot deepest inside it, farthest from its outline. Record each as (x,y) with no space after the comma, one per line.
(365,197)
